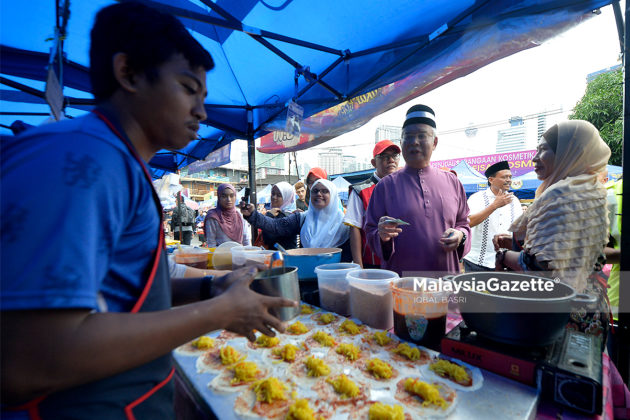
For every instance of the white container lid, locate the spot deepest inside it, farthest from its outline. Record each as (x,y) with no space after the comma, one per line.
(371,277)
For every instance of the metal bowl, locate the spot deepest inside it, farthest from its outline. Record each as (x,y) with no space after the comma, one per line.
(280,282)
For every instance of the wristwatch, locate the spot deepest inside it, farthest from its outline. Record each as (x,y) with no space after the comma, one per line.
(463,241)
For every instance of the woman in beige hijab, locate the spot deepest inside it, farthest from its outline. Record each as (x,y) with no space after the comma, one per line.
(565,229)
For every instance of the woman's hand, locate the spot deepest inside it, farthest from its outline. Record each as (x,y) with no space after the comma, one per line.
(246,209)
(502,240)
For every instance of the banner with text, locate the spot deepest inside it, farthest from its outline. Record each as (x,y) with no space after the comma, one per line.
(520,162)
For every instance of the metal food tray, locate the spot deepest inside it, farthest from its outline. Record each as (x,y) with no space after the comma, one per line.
(498,397)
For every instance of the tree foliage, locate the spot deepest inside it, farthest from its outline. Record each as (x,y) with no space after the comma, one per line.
(602,105)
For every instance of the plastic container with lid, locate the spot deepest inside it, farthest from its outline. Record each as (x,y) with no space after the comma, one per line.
(334,291)
(193,257)
(240,253)
(420,309)
(222,256)
(371,297)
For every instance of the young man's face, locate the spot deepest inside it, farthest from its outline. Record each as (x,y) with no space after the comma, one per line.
(170,108)
(301,192)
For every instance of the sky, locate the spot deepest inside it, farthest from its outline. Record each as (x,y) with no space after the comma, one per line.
(547,77)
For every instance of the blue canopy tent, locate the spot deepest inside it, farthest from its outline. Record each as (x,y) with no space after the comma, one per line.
(319,53)
(470,178)
(342,188)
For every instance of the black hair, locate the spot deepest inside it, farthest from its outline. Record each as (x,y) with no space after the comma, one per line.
(148,36)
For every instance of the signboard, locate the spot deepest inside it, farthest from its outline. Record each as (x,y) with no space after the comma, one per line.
(520,162)
(215,159)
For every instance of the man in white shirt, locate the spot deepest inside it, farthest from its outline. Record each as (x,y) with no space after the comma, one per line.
(492,211)
(386,157)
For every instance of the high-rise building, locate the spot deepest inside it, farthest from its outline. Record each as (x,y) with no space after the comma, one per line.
(388,132)
(349,163)
(269,164)
(331,160)
(511,139)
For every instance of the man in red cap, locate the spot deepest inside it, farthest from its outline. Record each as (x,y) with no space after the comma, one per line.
(313,175)
(386,156)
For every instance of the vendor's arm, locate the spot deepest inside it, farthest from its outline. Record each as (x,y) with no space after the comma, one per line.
(356,245)
(44,351)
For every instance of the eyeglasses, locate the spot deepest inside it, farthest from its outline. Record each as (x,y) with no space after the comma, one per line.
(422,136)
(322,192)
(395,156)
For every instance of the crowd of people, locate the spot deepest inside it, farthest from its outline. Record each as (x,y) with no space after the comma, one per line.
(106,286)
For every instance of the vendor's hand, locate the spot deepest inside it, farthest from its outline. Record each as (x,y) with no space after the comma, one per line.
(451,239)
(221,284)
(502,199)
(246,310)
(387,228)
(274,211)
(502,240)
(246,208)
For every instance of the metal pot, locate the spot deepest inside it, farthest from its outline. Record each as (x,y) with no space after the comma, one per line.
(518,316)
(281,282)
(306,259)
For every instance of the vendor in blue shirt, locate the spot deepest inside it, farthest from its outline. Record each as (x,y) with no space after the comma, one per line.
(87,326)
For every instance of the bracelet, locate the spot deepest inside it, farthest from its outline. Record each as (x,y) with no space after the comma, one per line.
(502,251)
(205,288)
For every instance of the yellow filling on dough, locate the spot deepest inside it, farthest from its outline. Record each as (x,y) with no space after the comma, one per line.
(430,394)
(324,339)
(326,318)
(203,343)
(411,353)
(306,310)
(269,390)
(344,386)
(316,367)
(229,356)
(381,338)
(445,368)
(380,411)
(379,368)
(297,328)
(245,372)
(286,352)
(300,410)
(349,327)
(266,341)
(349,350)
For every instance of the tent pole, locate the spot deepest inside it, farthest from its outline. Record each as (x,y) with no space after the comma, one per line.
(623,362)
(251,161)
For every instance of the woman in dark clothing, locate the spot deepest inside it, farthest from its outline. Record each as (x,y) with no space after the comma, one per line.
(319,227)
(282,205)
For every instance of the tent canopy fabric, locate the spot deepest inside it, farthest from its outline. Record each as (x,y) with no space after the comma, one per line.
(472,180)
(342,187)
(321,53)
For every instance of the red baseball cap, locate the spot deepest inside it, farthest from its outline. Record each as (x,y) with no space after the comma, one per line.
(318,172)
(382,145)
